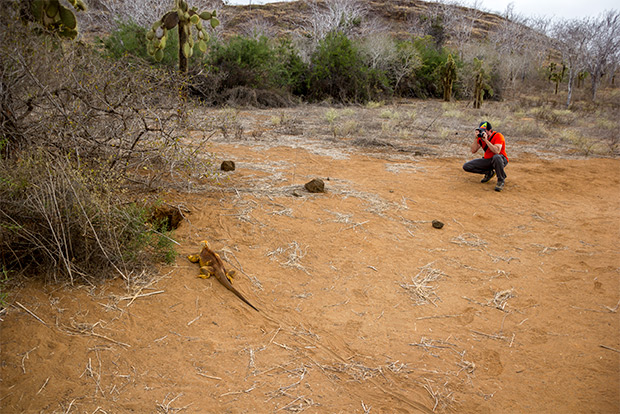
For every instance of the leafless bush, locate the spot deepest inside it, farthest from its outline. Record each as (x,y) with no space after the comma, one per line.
(120,116)
(331,15)
(258,28)
(104,14)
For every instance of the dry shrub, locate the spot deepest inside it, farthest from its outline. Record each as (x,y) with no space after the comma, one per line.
(76,130)
(58,220)
(553,116)
(209,88)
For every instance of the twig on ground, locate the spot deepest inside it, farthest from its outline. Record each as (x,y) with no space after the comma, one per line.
(469,239)
(165,407)
(138,295)
(43,386)
(25,357)
(238,392)
(438,317)
(610,348)
(294,253)
(444,398)
(31,313)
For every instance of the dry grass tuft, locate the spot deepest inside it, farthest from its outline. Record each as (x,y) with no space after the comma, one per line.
(420,289)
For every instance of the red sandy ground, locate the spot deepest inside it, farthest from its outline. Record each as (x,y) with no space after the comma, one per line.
(519,313)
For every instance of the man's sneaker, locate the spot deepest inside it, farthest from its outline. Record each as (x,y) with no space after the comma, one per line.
(488,176)
(499,186)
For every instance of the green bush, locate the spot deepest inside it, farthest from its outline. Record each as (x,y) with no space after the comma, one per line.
(129,39)
(246,61)
(338,71)
(257,63)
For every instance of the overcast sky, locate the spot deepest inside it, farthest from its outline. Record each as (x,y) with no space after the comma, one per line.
(567,9)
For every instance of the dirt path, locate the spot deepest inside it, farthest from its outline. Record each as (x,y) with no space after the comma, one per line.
(365,307)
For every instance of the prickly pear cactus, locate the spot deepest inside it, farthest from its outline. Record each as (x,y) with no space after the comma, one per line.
(53,16)
(480,83)
(183,18)
(448,76)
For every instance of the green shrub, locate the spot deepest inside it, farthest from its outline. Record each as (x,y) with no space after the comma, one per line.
(338,72)
(129,40)
(258,63)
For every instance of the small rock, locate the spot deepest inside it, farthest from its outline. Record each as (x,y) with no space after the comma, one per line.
(437,224)
(315,186)
(228,166)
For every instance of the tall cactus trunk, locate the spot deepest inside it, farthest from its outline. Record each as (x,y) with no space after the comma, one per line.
(182,41)
(478,91)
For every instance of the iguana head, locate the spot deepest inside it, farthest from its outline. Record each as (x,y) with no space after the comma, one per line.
(205,243)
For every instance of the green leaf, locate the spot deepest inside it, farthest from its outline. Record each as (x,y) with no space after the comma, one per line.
(52,8)
(186,50)
(159,55)
(202,46)
(205,15)
(68,18)
(194,19)
(214,22)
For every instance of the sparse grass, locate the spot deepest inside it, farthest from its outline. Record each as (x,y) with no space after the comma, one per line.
(389,114)
(555,117)
(374,105)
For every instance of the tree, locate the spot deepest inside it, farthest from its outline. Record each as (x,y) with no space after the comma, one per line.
(183,18)
(603,47)
(571,38)
(519,47)
(406,61)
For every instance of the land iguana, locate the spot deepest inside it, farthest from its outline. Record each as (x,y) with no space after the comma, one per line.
(211,264)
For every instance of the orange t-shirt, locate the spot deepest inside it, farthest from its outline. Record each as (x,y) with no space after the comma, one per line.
(496,138)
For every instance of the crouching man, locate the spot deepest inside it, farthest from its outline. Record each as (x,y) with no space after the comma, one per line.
(494,159)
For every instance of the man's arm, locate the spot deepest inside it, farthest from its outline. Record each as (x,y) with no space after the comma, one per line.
(495,148)
(475,146)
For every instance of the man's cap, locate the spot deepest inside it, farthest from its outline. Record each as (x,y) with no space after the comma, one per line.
(485,125)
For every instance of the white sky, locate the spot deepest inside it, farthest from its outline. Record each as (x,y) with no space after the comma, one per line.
(560,9)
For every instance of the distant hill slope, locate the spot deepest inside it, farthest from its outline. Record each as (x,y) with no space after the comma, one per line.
(289,17)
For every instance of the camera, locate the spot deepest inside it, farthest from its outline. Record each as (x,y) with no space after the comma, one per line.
(480,133)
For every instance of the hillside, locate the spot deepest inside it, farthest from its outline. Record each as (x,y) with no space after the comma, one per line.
(397,15)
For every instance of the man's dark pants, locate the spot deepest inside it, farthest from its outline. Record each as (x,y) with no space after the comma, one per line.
(486,165)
